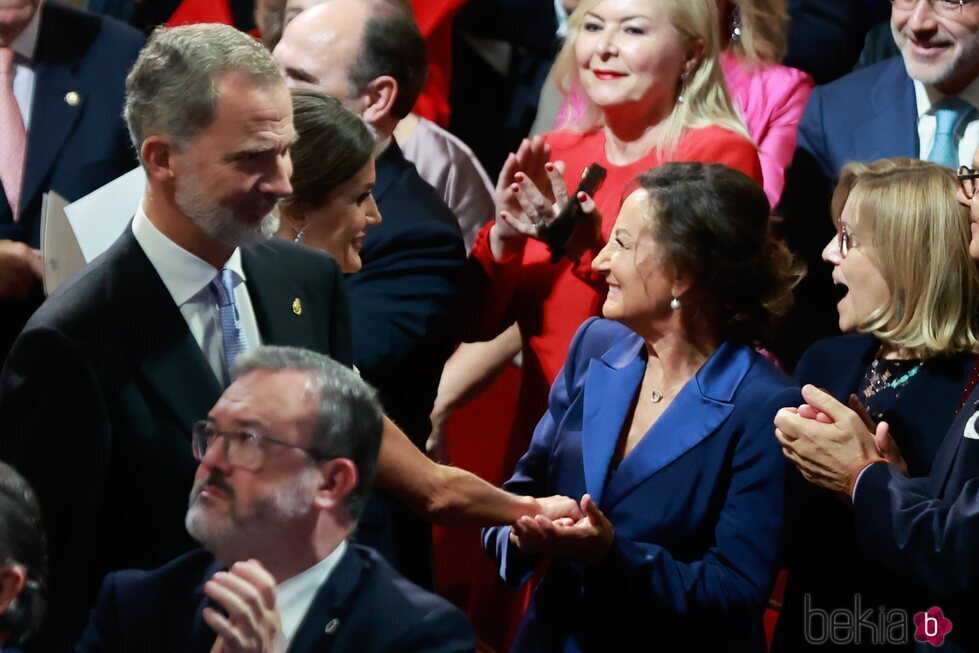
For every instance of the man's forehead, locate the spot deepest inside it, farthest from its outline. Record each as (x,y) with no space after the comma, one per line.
(267,396)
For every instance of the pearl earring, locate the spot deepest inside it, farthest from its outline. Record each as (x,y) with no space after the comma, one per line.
(675,303)
(683,83)
(299,235)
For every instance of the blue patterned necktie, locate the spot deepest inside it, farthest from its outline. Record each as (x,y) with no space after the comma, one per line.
(950,114)
(232,335)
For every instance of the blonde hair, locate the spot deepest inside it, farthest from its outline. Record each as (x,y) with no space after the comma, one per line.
(764,32)
(918,236)
(706,101)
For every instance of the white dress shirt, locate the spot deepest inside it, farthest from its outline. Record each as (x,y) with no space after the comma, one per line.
(925,98)
(294,596)
(24,46)
(188,279)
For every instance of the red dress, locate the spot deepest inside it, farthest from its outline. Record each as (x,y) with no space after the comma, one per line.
(550,301)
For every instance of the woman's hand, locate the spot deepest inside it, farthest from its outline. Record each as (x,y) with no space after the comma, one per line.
(587,539)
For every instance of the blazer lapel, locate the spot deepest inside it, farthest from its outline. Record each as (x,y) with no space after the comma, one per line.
(941,468)
(893,128)
(278,299)
(156,335)
(609,395)
(698,410)
(53,112)
(326,615)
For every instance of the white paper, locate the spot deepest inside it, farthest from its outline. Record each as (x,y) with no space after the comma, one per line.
(100,217)
(62,257)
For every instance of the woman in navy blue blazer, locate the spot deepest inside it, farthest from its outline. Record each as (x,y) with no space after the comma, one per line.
(660,421)
(912,292)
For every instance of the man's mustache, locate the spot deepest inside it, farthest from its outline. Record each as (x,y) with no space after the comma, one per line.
(216,480)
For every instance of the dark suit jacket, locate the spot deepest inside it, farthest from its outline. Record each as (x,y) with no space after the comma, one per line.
(70,149)
(99,393)
(697,505)
(926,530)
(402,307)
(822,555)
(366,606)
(870,114)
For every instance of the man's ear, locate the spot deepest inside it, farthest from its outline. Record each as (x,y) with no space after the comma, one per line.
(379,96)
(12,580)
(338,481)
(156,152)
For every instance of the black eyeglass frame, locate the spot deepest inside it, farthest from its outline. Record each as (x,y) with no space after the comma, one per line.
(959,4)
(966,175)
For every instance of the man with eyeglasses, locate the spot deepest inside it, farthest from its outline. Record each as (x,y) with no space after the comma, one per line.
(924,529)
(923,104)
(287,457)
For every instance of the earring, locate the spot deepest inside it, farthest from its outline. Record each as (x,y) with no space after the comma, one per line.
(299,235)
(683,82)
(736,24)
(675,303)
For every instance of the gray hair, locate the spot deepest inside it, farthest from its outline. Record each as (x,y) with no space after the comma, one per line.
(172,87)
(349,423)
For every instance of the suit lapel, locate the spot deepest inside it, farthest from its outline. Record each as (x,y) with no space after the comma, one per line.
(324,620)
(278,299)
(156,336)
(698,410)
(893,128)
(941,468)
(388,168)
(52,116)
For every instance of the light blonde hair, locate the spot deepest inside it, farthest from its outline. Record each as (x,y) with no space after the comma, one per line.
(917,234)
(706,101)
(764,32)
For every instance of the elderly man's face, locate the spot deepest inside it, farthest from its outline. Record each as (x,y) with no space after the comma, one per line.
(319,46)
(938,49)
(228,178)
(238,513)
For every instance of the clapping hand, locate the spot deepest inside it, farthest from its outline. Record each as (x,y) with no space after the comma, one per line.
(247,594)
(587,538)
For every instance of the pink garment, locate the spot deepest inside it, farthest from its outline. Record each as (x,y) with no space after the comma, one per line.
(771,101)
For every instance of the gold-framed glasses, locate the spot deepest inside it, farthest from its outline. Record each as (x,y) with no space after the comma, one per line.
(243,448)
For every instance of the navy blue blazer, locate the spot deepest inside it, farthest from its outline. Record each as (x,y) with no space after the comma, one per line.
(821,555)
(697,506)
(74,149)
(364,607)
(867,115)
(926,530)
(402,310)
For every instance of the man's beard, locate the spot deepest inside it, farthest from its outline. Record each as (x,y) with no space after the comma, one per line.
(232,536)
(219,222)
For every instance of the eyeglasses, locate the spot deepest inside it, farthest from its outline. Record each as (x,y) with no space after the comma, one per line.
(845,239)
(968,177)
(243,449)
(942,7)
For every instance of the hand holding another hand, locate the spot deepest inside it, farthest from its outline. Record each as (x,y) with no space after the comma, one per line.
(247,594)
(587,538)
(21,268)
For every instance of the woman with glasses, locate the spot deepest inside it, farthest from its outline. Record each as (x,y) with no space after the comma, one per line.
(910,293)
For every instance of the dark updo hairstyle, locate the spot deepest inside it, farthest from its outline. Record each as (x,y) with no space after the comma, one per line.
(712,222)
(22,542)
(332,145)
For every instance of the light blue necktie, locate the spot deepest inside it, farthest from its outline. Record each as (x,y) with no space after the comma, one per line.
(950,114)
(232,335)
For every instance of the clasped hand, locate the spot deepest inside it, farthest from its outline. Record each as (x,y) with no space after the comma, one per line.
(830,443)
(584,534)
(246,592)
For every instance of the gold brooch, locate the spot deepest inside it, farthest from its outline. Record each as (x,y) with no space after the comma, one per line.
(297,306)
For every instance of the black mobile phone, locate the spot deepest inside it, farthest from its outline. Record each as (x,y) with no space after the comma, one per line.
(556,234)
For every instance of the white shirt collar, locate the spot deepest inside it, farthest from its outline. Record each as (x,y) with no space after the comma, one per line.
(926,96)
(183,273)
(26,42)
(294,596)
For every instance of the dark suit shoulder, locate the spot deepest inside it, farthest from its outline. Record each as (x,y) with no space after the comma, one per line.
(74,32)
(852,88)
(182,573)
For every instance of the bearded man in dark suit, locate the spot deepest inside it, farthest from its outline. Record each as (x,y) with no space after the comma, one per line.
(101,389)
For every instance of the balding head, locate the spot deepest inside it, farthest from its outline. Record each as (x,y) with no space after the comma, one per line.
(367,53)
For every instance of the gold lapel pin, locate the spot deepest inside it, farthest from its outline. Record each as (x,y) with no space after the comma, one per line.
(72,98)
(297,306)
